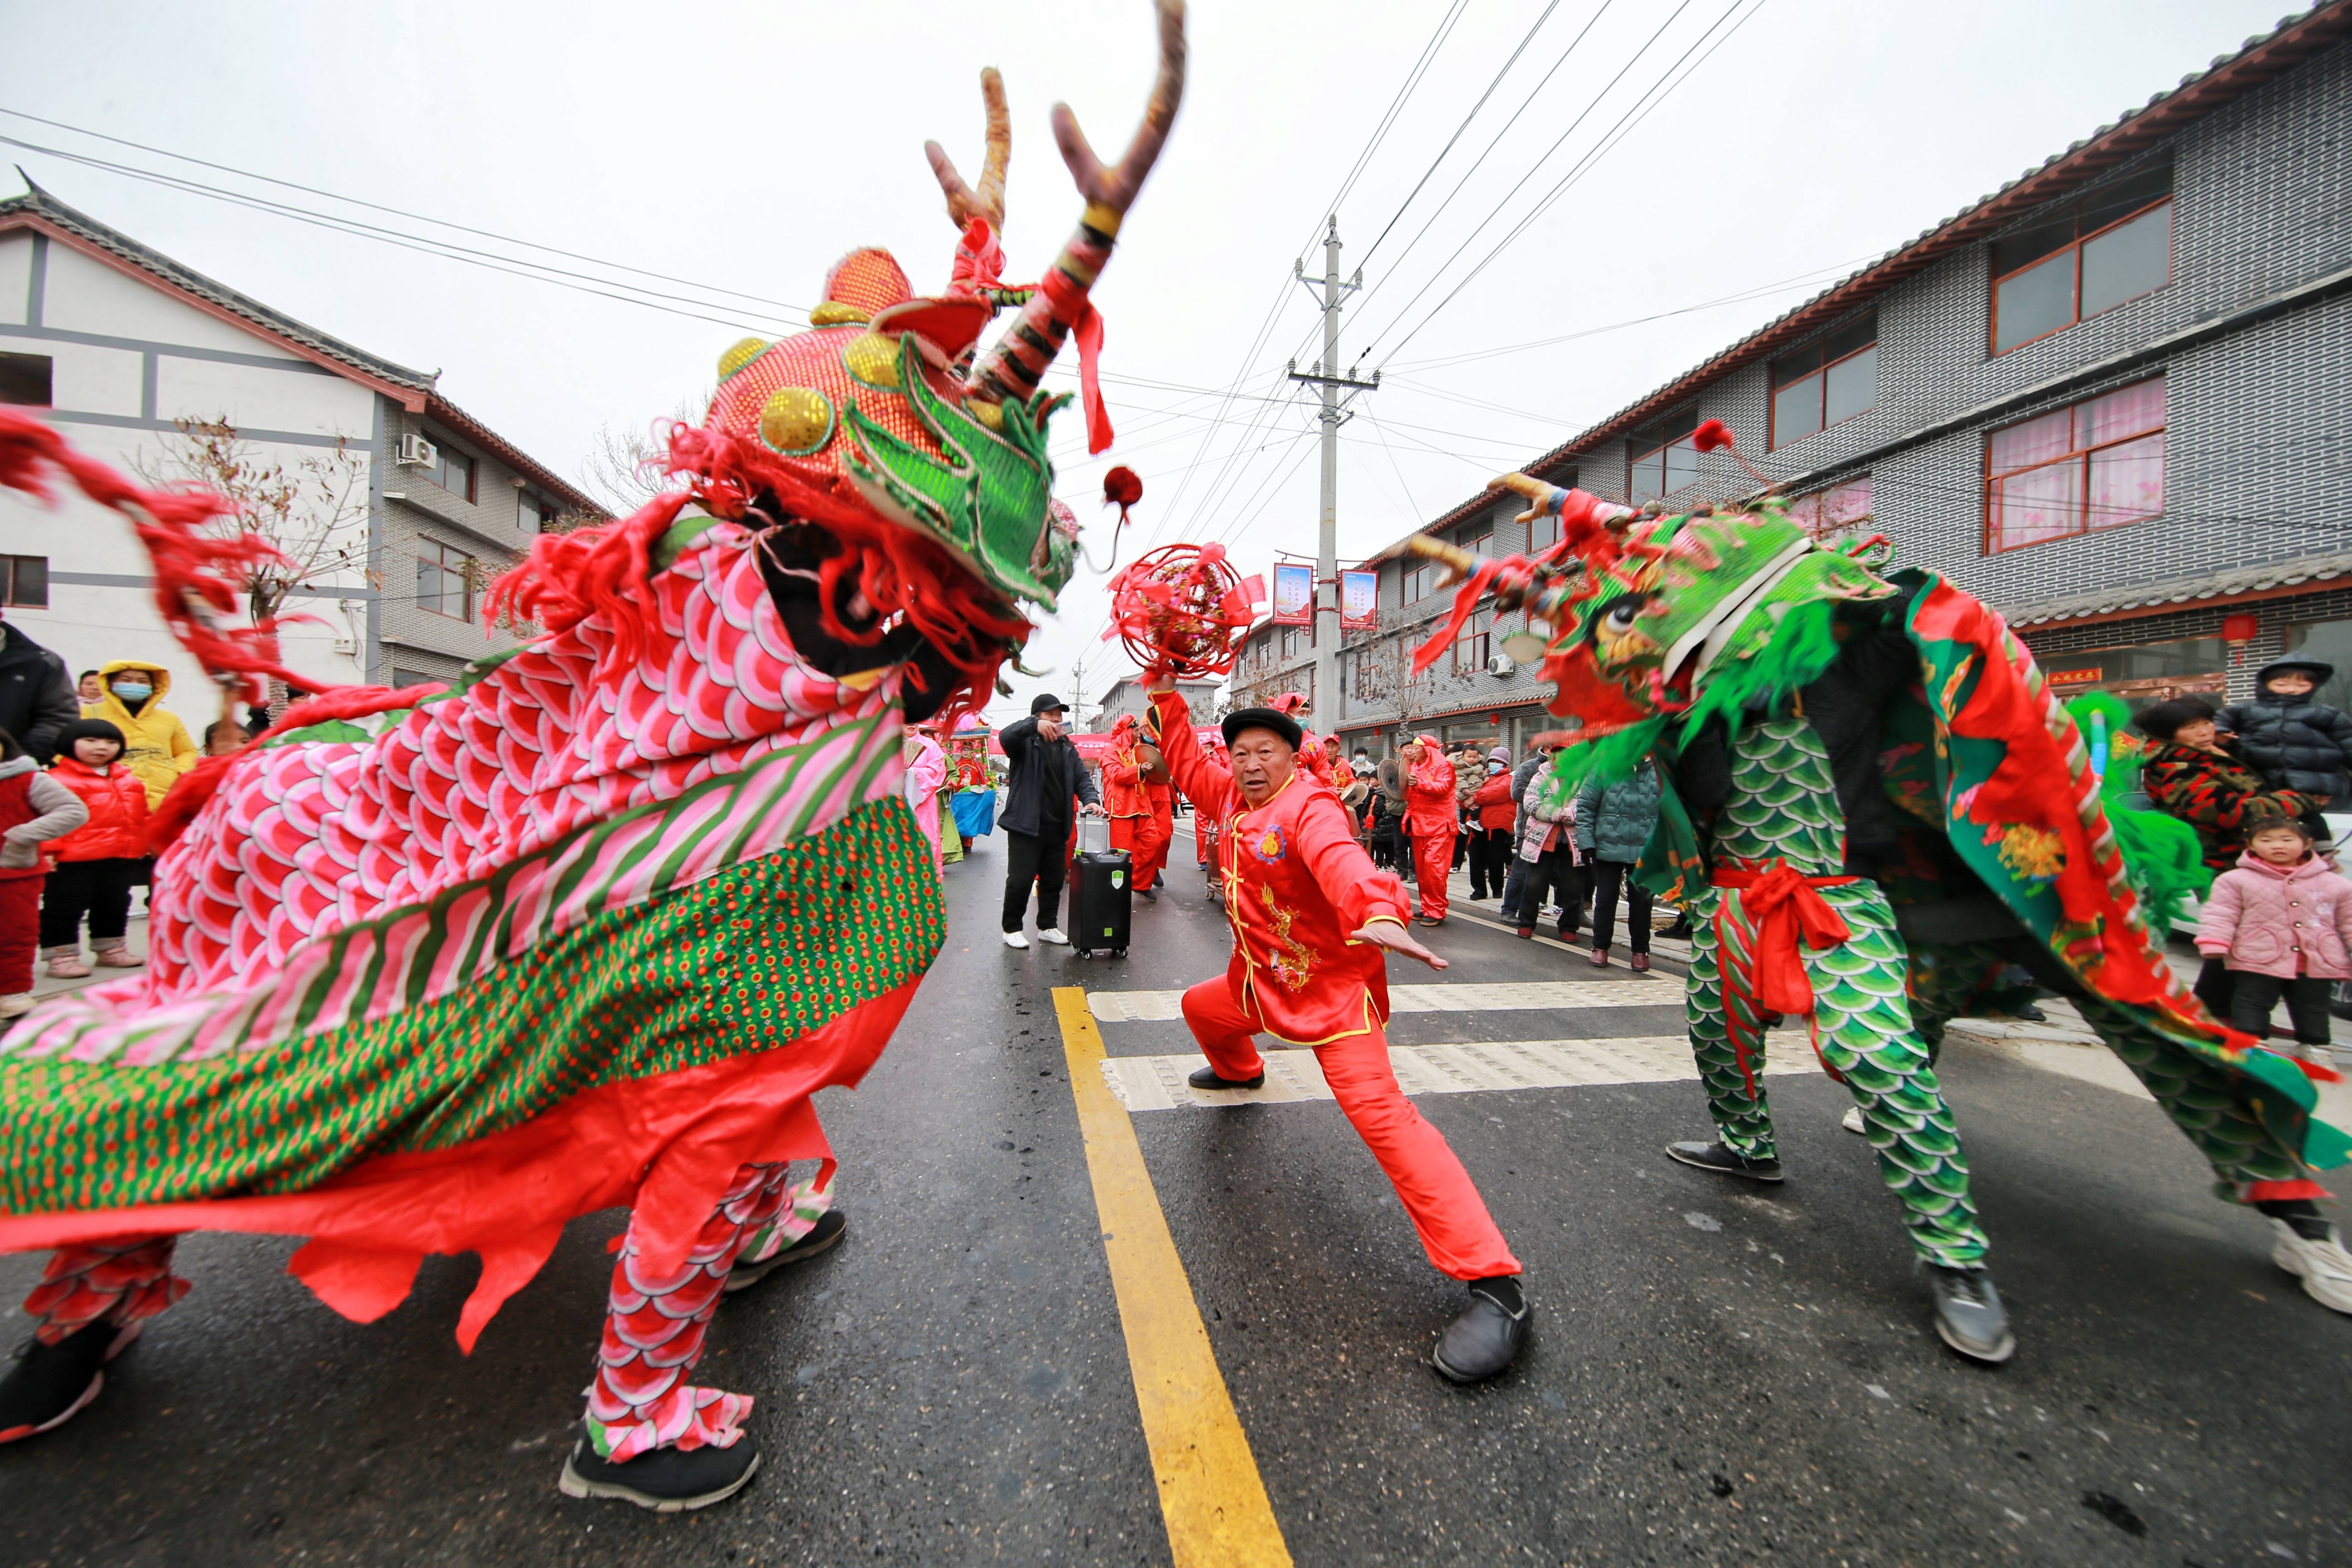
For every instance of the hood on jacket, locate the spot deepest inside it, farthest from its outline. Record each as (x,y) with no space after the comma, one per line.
(158,677)
(2320,671)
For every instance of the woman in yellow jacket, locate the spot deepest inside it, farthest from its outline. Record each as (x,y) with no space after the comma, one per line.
(157,747)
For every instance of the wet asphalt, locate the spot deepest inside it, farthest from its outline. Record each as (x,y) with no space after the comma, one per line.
(1720,1374)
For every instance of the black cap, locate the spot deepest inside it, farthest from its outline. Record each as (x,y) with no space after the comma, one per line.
(1273,719)
(1044,702)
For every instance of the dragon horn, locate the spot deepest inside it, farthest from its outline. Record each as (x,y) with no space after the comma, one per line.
(1013,367)
(963,204)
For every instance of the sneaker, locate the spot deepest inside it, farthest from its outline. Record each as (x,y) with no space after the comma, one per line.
(49,1384)
(1206,1078)
(1599,957)
(69,966)
(2325,1267)
(1852,1119)
(1489,1334)
(1969,1314)
(1527,933)
(1054,934)
(1639,964)
(821,1237)
(16,1006)
(1014,939)
(117,958)
(1723,1161)
(667,1480)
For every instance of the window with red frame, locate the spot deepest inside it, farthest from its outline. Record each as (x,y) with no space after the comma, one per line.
(1543,532)
(2082,257)
(1661,458)
(2099,464)
(446,579)
(1827,384)
(1826,513)
(1474,643)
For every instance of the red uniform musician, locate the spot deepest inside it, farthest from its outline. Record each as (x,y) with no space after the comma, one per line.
(1136,824)
(1431,816)
(1312,921)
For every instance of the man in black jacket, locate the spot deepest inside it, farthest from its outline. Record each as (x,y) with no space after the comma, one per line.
(1044,772)
(37,697)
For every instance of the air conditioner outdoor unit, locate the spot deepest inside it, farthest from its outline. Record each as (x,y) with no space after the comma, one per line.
(1502,664)
(419,451)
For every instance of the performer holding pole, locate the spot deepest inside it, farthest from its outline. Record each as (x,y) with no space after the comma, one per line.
(1312,920)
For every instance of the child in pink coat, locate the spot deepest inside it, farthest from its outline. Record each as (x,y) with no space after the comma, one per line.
(2280,921)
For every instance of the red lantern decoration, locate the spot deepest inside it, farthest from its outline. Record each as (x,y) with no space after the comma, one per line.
(2240,629)
(1182,610)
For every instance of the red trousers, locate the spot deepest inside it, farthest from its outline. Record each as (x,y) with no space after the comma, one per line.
(1145,843)
(1432,859)
(1447,1212)
(20,931)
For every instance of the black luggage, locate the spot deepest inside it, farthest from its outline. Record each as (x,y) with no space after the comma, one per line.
(1102,895)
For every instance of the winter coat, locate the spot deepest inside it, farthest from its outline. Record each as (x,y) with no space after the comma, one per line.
(117,828)
(2281,921)
(34,810)
(1469,776)
(1039,768)
(2293,742)
(1430,806)
(1613,822)
(1545,828)
(155,745)
(1493,804)
(1528,769)
(36,696)
(2214,793)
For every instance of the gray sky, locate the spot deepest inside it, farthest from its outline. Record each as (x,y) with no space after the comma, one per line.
(746,146)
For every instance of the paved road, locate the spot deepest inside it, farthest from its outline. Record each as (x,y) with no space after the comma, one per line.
(1720,1376)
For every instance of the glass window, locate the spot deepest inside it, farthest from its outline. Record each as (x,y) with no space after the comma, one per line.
(1661,458)
(445,580)
(2151,673)
(1833,511)
(2088,256)
(2099,464)
(26,580)
(452,470)
(24,380)
(1826,382)
(1470,649)
(531,514)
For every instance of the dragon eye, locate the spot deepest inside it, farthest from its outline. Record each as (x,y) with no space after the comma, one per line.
(1620,616)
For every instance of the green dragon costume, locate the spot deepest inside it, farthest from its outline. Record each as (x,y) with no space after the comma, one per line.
(1873,808)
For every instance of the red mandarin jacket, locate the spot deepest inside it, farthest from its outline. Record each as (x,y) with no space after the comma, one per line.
(1298,886)
(1429,800)
(1123,784)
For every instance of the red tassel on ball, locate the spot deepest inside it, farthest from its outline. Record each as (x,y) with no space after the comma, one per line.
(1122,489)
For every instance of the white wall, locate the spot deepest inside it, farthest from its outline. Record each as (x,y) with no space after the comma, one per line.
(89,624)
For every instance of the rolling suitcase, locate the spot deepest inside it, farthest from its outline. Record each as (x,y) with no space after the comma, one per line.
(1102,895)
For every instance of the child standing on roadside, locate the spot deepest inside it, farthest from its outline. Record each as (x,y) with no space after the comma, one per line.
(2282,922)
(99,862)
(34,810)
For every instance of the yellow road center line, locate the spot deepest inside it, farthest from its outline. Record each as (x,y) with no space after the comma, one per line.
(1211,1497)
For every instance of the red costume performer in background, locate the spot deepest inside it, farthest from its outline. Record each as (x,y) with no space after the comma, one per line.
(1162,797)
(1136,824)
(1298,888)
(1430,816)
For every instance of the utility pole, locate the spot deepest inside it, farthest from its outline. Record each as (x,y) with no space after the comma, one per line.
(1336,388)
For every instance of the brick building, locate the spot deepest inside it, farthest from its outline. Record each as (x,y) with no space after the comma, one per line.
(2110,398)
(120,344)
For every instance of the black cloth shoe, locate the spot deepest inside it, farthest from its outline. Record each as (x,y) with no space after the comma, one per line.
(1488,1336)
(2029,1014)
(821,1236)
(667,1480)
(1150,895)
(1969,1314)
(1206,1078)
(1723,1161)
(47,1385)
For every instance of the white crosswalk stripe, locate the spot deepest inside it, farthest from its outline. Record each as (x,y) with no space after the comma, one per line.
(1162,1006)
(1156,1083)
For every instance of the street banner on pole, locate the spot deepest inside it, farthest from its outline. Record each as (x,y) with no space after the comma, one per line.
(1359,601)
(1294,595)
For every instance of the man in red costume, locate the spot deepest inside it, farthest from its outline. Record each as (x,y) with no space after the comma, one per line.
(1135,821)
(1430,816)
(1311,920)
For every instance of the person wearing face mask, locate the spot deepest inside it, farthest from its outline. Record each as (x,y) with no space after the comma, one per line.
(1312,924)
(156,747)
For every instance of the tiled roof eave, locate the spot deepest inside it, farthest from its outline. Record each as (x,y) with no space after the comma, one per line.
(2155,598)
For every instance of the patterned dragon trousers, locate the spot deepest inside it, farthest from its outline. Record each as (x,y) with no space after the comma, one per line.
(1784,807)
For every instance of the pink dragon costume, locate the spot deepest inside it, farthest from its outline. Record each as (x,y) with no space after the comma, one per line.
(438,972)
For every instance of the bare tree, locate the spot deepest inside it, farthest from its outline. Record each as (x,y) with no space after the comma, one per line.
(310,513)
(624,465)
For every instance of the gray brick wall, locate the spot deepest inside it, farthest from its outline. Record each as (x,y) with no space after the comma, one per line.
(488,528)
